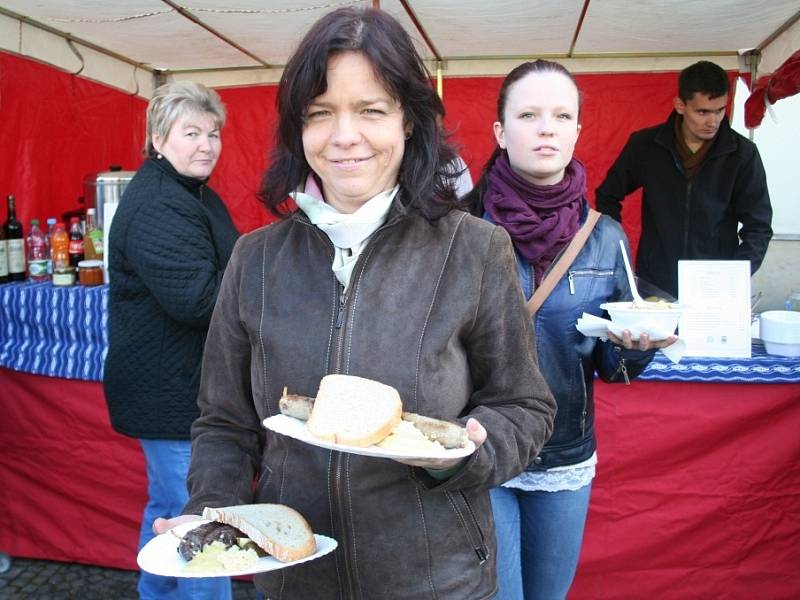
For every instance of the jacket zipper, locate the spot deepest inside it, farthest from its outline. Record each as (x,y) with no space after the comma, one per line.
(585,399)
(336,367)
(686,220)
(477,544)
(623,368)
(339,458)
(571,276)
(340,314)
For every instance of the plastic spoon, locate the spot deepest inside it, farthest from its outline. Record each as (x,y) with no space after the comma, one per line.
(638,302)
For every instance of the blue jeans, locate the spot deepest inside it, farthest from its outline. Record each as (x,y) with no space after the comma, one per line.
(167,467)
(539,537)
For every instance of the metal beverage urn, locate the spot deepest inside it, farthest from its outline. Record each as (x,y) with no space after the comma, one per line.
(102,191)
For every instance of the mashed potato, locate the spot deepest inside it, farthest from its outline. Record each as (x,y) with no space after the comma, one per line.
(405,438)
(215,557)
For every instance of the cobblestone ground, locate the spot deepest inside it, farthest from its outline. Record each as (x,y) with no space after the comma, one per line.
(47,580)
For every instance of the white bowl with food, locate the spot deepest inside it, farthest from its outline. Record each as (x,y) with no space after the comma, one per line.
(780,332)
(657,319)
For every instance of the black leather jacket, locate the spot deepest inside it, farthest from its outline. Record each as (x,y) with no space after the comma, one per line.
(691,219)
(567,359)
(433,310)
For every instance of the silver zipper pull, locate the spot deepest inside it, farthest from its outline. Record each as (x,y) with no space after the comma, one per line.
(340,315)
(571,281)
(624,370)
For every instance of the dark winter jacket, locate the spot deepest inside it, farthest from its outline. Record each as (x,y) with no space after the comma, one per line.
(170,240)
(568,360)
(434,310)
(691,219)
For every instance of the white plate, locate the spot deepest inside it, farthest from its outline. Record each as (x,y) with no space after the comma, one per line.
(160,556)
(297,429)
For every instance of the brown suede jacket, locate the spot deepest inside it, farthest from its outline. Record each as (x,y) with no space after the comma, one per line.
(434,310)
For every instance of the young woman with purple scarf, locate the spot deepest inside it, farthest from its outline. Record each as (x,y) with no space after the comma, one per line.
(534,188)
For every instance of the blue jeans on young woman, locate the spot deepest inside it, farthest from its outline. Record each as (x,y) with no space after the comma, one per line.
(539,537)
(167,467)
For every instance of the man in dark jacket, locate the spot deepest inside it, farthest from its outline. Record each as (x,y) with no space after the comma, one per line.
(700,180)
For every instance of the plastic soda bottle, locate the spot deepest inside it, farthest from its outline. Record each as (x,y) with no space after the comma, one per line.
(51,227)
(93,238)
(75,242)
(59,247)
(37,253)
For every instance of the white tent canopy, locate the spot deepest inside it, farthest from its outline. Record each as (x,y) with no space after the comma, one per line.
(240,42)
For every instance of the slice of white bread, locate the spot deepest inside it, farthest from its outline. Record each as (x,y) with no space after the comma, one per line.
(354,410)
(280,530)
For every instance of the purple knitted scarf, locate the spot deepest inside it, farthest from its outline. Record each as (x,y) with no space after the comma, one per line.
(540,219)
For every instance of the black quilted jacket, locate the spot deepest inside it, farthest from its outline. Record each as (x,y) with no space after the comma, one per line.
(169,243)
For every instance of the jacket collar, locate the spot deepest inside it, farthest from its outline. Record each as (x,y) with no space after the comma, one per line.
(723,144)
(397,211)
(190,183)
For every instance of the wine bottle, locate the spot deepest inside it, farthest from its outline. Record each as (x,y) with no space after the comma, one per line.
(15,243)
(3,257)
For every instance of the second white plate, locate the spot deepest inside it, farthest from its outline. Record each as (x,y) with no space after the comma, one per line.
(160,556)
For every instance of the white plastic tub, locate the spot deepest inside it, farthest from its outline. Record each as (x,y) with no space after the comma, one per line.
(780,332)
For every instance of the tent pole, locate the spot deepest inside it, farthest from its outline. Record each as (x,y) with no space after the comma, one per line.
(188,15)
(751,59)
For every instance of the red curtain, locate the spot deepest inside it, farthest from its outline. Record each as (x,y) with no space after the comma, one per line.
(57,128)
(697,492)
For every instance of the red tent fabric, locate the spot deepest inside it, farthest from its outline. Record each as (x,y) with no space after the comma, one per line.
(784,82)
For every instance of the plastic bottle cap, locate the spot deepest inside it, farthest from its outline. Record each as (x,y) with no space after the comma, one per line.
(34,222)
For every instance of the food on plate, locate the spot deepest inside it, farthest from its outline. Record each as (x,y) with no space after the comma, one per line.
(213,547)
(216,556)
(294,405)
(193,541)
(354,410)
(279,530)
(407,438)
(652,303)
(449,435)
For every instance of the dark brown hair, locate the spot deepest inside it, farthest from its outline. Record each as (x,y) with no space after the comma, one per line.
(426,184)
(475,198)
(703,77)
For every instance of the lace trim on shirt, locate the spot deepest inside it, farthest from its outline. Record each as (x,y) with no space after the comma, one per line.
(559,479)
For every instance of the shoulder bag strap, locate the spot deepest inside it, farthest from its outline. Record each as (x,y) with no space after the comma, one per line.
(567,258)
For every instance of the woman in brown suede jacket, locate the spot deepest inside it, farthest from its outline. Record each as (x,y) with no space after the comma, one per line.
(375,274)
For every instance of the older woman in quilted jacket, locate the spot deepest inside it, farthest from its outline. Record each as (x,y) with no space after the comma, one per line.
(169,243)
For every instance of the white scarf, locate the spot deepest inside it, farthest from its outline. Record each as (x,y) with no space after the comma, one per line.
(348,232)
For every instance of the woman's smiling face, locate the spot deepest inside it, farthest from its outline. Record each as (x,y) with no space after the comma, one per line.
(540,126)
(353,135)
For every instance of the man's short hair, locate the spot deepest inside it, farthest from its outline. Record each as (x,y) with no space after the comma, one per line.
(703,77)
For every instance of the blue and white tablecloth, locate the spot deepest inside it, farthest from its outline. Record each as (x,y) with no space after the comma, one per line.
(62,332)
(56,331)
(760,368)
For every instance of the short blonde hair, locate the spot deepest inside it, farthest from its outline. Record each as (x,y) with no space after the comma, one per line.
(174,100)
